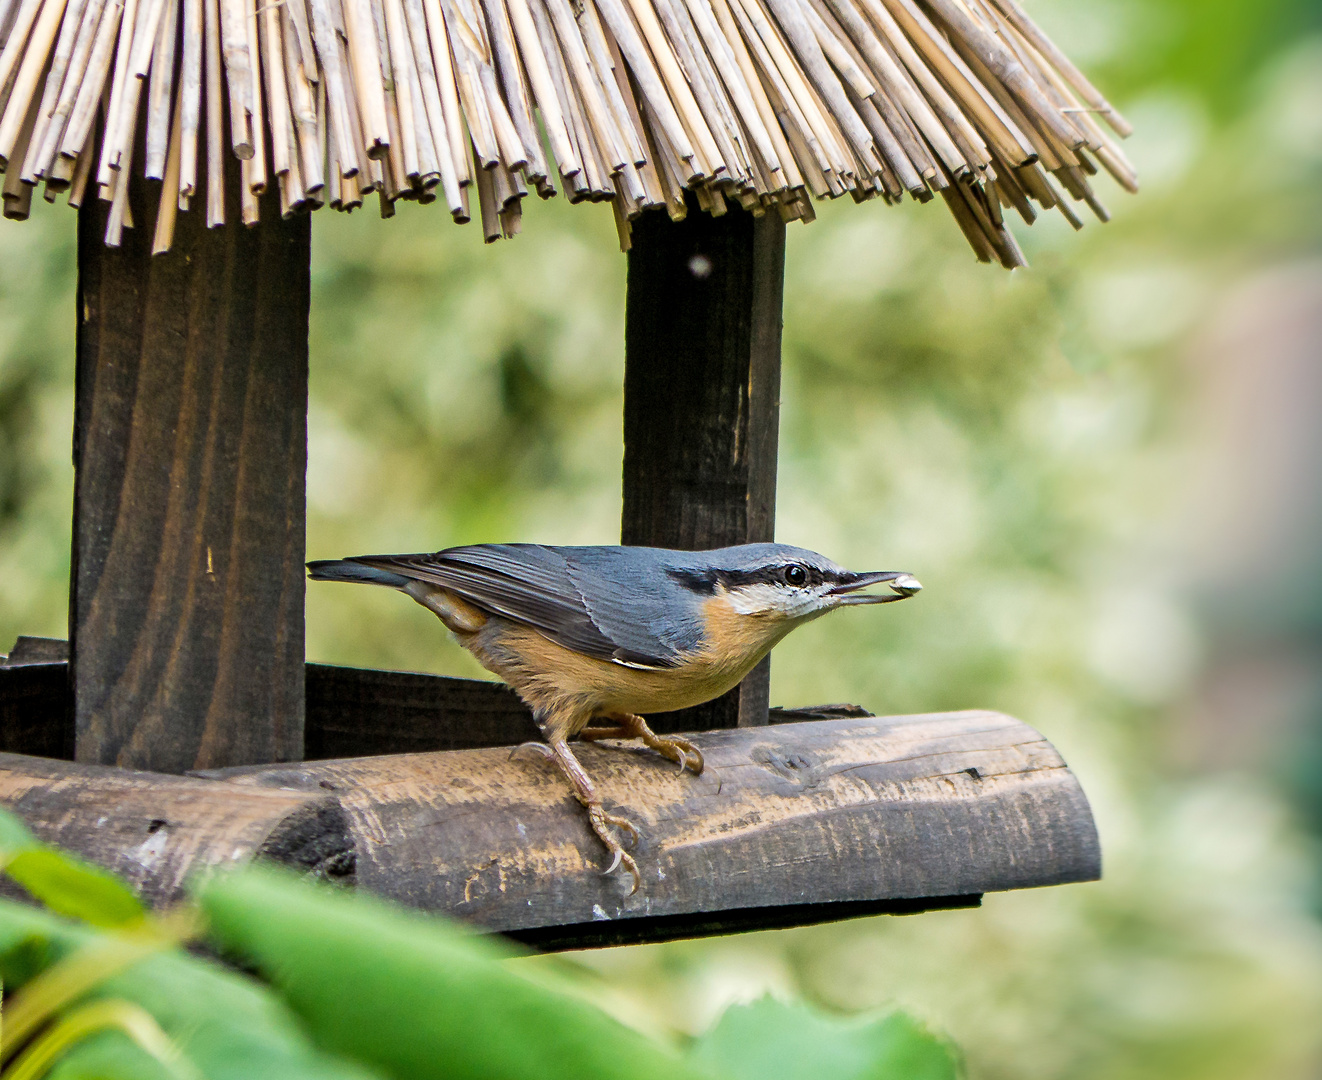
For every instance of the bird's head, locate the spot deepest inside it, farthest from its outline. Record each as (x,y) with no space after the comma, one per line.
(787,584)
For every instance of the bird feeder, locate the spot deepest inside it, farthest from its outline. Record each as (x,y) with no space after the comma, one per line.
(195,136)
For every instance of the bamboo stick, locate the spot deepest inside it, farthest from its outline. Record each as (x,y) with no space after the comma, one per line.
(22,97)
(573,169)
(303,103)
(255,170)
(298,16)
(160,92)
(698,140)
(693,60)
(163,238)
(270,46)
(13,50)
(431,99)
(1002,62)
(238,71)
(334,76)
(136,41)
(89,94)
(731,34)
(1021,22)
(429,159)
(41,143)
(215,119)
(486,198)
(65,77)
(58,176)
(400,58)
(189,102)
(17,195)
(790,86)
(585,83)
(369,91)
(120,216)
(594,37)
(82,170)
(512,153)
(515,92)
(443,61)
(992,121)
(735,77)
(648,77)
(539,75)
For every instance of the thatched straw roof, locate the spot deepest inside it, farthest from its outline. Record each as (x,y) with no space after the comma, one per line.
(767,103)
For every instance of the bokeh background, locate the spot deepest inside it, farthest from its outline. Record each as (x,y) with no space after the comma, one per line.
(1107,470)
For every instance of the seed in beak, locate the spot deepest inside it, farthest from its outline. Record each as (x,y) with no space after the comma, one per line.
(902,585)
(906,584)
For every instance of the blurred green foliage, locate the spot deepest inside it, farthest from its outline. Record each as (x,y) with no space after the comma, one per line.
(1020,442)
(344,986)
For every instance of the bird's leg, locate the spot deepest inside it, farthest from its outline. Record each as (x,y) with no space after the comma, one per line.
(629,726)
(600,821)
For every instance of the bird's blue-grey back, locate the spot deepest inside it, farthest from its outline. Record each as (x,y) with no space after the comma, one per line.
(632,604)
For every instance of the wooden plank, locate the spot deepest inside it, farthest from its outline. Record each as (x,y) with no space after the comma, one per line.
(354,712)
(35,714)
(156,830)
(351,712)
(36,650)
(927,810)
(702,400)
(190,450)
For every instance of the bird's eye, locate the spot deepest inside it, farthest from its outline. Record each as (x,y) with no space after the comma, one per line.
(795,575)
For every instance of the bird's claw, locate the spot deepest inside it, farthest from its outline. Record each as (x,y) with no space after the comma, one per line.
(540,747)
(601,823)
(679,750)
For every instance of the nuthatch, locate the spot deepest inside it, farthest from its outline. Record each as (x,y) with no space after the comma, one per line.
(587,633)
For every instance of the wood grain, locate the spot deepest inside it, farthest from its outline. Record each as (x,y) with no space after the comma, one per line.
(926,810)
(351,712)
(190,450)
(702,400)
(154,830)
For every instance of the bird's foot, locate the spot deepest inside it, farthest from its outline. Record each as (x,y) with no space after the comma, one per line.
(539,748)
(602,823)
(677,749)
(672,747)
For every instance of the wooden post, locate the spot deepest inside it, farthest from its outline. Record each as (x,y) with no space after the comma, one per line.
(702,400)
(190,450)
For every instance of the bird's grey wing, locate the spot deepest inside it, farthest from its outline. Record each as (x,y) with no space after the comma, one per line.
(633,598)
(526,583)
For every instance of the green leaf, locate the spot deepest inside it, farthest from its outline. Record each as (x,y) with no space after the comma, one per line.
(416,996)
(14,837)
(71,887)
(65,884)
(229,1026)
(772,1040)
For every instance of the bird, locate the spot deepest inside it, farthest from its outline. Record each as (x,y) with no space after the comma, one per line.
(593,638)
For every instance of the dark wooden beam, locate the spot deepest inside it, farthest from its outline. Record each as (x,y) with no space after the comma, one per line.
(702,400)
(351,712)
(354,712)
(802,821)
(155,831)
(190,450)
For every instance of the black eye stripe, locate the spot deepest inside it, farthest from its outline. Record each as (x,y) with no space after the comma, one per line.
(704,582)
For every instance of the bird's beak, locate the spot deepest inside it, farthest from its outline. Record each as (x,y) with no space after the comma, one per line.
(903,585)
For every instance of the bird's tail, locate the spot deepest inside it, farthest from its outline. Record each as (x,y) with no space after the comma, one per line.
(351,570)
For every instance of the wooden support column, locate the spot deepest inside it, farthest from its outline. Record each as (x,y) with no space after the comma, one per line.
(190,450)
(702,401)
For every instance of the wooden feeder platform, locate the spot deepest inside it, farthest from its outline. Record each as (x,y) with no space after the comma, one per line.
(186,652)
